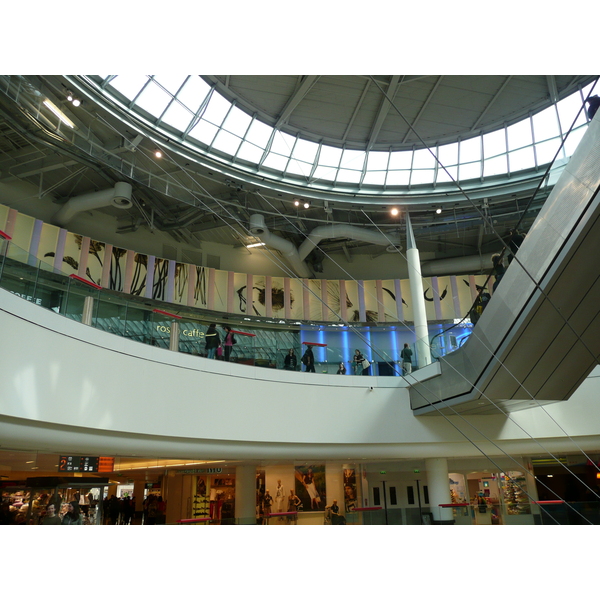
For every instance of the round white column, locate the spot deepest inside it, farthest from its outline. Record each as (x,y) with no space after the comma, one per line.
(439,490)
(417,297)
(245,495)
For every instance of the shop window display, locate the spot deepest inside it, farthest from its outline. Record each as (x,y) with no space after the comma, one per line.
(514,493)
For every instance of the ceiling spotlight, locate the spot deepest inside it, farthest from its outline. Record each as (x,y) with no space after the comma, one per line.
(296,202)
(256,245)
(438,211)
(76,102)
(158,154)
(306,204)
(70,96)
(395,212)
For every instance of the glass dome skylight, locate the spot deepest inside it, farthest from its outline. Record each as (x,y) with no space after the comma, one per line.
(188,108)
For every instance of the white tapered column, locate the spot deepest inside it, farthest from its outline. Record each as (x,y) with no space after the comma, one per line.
(418,298)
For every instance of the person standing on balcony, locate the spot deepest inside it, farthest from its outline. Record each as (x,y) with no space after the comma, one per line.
(228,342)
(406,356)
(213,340)
(308,360)
(290,361)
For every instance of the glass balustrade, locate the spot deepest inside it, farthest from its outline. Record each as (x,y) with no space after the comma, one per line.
(149,322)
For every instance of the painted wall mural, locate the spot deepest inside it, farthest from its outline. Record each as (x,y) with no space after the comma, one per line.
(124,270)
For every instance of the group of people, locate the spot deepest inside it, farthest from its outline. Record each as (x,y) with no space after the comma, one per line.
(214,346)
(360,364)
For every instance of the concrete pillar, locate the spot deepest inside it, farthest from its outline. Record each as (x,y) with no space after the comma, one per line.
(174,337)
(418,298)
(439,490)
(245,495)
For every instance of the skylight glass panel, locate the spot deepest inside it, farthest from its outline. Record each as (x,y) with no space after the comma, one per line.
(177,116)
(374,178)
(519,135)
(494,143)
(448,154)
(217,109)
(226,142)
(305,151)
(469,171)
(171,83)
(545,124)
(259,133)
(398,178)
(325,173)
(423,159)
(573,140)
(282,143)
(153,99)
(521,159)
(193,93)
(330,156)
(421,176)
(567,110)
(377,161)
(237,121)
(349,176)
(250,152)
(546,151)
(204,132)
(447,175)
(470,150)
(400,160)
(276,161)
(353,159)
(495,166)
(129,85)
(298,167)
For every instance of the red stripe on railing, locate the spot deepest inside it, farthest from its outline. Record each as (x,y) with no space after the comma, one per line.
(5,235)
(162,312)
(313,344)
(548,501)
(366,509)
(184,521)
(243,333)
(82,280)
(453,504)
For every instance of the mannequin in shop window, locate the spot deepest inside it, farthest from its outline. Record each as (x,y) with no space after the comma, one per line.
(267,502)
(279,498)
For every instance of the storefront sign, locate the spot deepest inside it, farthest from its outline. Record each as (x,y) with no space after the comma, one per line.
(186,332)
(197,471)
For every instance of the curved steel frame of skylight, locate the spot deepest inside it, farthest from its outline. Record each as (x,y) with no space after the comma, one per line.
(188,109)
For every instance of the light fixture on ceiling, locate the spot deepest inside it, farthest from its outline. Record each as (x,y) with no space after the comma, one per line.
(438,211)
(306,204)
(158,153)
(71,98)
(395,212)
(59,113)
(296,202)
(256,245)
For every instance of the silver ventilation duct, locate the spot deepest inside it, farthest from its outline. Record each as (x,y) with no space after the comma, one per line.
(119,197)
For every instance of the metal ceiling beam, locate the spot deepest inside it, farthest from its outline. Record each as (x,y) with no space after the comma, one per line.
(423,107)
(356,109)
(490,103)
(384,109)
(552,88)
(299,94)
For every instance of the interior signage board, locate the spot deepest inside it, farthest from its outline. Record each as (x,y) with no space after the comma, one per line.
(86,464)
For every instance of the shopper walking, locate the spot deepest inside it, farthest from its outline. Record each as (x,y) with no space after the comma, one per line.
(406,357)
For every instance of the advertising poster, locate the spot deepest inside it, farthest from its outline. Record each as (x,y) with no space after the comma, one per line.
(310,487)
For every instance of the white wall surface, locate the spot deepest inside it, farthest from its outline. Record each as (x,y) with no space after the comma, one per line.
(68,387)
